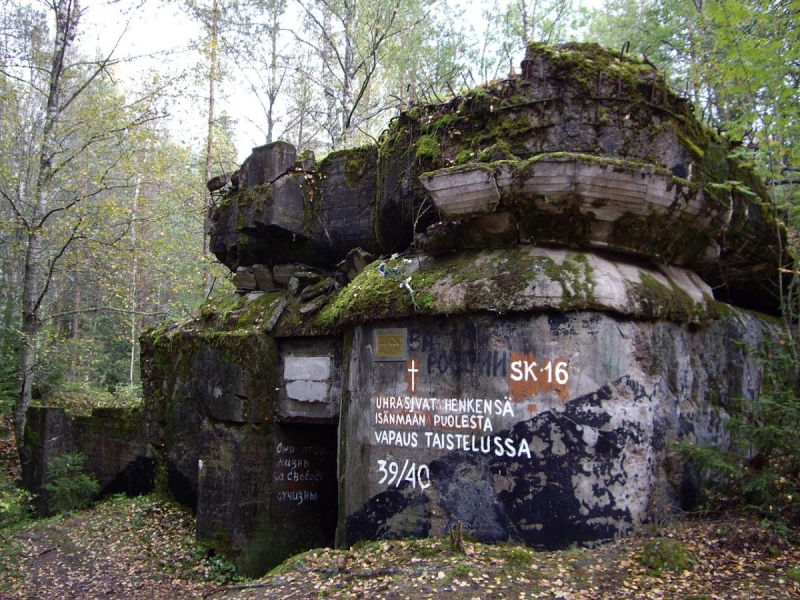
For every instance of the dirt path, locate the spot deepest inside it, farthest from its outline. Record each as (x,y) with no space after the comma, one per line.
(143,549)
(138,548)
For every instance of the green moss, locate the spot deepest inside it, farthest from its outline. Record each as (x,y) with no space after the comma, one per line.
(586,65)
(369,296)
(575,275)
(441,124)
(325,319)
(514,126)
(253,199)
(304,157)
(697,152)
(314,320)
(659,236)
(717,309)
(312,200)
(523,168)
(372,296)
(496,152)
(476,100)
(499,281)
(464,156)
(655,300)
(358,164)
(667,554)
(519,557)
(565,223)
(428,149)
(214,313)
(426,301)
(255,314)
(498,284)
(231,313)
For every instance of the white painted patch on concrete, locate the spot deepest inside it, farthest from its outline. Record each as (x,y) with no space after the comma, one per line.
(308,391)
(309,368)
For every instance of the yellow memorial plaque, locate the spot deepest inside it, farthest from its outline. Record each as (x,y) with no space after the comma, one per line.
(390,344)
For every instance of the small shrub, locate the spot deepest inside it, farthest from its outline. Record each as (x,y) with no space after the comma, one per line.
(15,503)
(667,554)
(761,470)
(519,556)
(221,570)
(69,487)
(216,567)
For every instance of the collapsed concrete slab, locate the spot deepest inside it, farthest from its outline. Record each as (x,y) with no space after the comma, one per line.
(313,214)
(585,148)
(552,322)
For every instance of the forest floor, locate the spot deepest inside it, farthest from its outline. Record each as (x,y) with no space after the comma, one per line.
(144,549)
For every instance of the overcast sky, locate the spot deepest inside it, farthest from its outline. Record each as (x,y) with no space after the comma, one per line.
(155,36)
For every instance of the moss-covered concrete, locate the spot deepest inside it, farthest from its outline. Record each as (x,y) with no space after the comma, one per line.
(664,302)
(516,279)
(599,103)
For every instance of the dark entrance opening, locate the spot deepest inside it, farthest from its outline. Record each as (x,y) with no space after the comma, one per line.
(305,483)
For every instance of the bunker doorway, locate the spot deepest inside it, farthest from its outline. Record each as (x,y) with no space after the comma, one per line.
(306,482)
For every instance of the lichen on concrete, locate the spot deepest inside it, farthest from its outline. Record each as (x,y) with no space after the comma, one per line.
(656,300)
(515,279)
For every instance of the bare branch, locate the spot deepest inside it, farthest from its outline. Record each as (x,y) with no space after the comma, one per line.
(108,309)
(51,267)
(17,213)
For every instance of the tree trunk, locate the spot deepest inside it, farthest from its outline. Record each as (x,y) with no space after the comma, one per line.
(349,75)
(212,76)
(30,332)
(134,287)
(34,278)
(75,334)
(332,118)
(272,92)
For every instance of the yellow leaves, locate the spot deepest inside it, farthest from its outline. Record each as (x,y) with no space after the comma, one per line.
(143,548)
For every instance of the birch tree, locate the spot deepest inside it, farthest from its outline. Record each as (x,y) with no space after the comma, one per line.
(70,142)
(265,62)
(507,27)
(356,42)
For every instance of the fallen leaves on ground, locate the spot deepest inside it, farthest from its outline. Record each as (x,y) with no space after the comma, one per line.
(143,548)
(139,548)
(736,558)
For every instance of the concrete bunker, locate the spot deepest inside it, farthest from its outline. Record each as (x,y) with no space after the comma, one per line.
(574,276)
